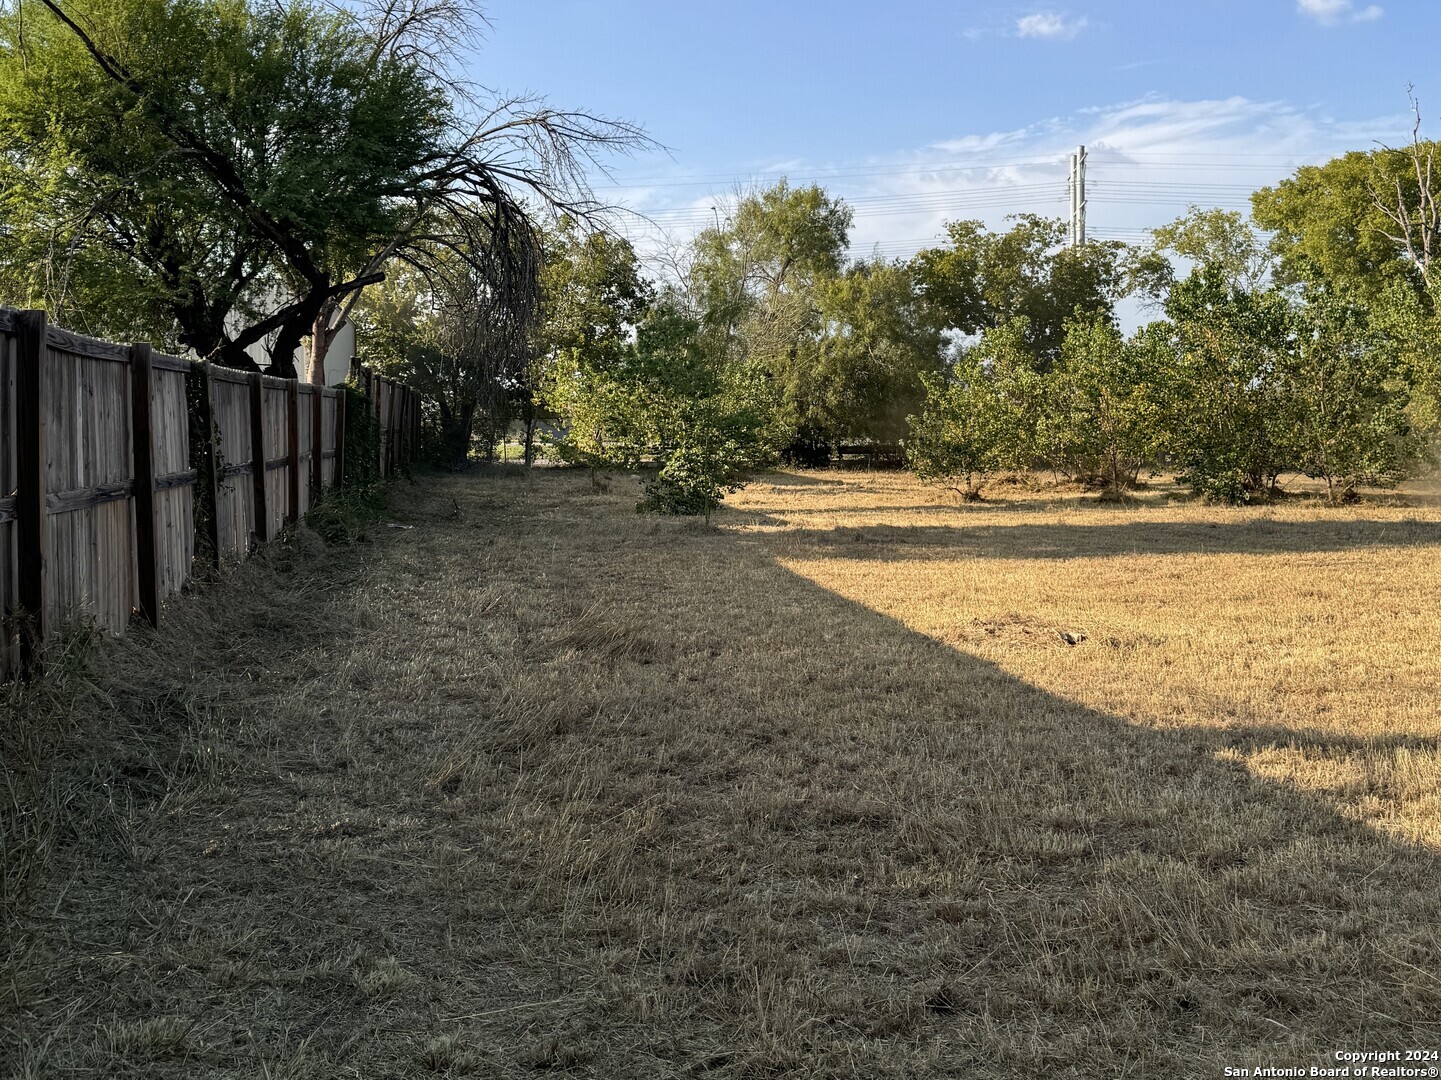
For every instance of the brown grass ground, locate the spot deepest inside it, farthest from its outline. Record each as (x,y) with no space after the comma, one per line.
(540,784)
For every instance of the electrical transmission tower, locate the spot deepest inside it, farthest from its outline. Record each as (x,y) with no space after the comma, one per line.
(1077,185)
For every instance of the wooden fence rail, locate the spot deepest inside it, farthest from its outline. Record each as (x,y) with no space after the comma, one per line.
(99,473)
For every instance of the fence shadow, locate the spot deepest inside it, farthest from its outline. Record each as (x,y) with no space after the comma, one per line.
(1194,894)
(1059,542)
(1045,868)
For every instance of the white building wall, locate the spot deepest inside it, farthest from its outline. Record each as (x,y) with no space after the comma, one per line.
(337,360)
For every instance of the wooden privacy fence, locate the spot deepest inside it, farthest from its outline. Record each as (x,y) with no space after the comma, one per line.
(100,474)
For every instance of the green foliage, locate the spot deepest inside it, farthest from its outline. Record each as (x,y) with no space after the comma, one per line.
(980,417)
(697,472)
(1223,417)
(760,283)
(1346,405)
(1327,227)
(242,148)
(593,296)
(362,442)
(592,360)
(1221,239)
(866,376)
(1101,422)
(983,280)
(703,420)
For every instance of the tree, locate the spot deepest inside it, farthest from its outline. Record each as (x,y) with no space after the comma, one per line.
(1345,406)
(1101,421)
(873,350)
(451,333)
(593,297)
(712,426)
(1224,418)
(1222,239)
(980,417)
(756,283)
(703,420)
(1328,227)
(251,167)
(983,280)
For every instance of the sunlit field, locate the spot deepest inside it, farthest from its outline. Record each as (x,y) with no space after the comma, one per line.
(1302,641)
(857,782)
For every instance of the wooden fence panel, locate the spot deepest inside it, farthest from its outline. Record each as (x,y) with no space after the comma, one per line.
(303,427)
(82,422)
(277,440)
(174,480)
(9,640)
(235,501)
(331,415)
(89,540)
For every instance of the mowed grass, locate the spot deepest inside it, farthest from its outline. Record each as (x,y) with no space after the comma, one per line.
(857,783)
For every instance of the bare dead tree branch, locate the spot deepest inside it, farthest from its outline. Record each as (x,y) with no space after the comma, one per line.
(1418,221)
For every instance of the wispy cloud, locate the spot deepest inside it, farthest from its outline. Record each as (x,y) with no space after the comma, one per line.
(1049,25)
(1331,12)
(1149,160)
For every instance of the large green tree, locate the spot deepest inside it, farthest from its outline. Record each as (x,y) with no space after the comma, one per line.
(1221,239)
(1344,400)
(981,415)
(982,280)
(1224,417)
(757,283)
(244,169)
(1329,223)
(593,298)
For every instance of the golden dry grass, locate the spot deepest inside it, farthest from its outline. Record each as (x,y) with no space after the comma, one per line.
(540,784)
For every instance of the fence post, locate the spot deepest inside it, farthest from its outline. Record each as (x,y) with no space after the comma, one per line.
(210,474)
(392,426)
(405,427)
(378,381)
(317,443)
(260,526)
(30,462)
(143,456)
(292,465)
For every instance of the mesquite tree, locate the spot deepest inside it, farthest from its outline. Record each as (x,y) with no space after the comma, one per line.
(243,170)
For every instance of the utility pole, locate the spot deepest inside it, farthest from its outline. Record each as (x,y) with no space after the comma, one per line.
(1077,186)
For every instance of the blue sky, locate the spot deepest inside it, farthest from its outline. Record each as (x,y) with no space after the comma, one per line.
(921,112)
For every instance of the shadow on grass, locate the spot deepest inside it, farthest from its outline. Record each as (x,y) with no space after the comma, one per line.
(1085,541)
(1081,893)
(708,817)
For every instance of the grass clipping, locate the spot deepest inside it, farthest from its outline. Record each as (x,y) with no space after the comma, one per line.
(855,783)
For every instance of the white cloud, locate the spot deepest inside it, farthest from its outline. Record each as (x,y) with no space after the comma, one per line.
(1049,25)
(1331,12)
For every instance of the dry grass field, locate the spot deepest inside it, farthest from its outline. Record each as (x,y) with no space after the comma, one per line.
(856,783)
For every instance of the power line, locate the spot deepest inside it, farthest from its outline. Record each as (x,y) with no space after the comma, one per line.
(1121,158)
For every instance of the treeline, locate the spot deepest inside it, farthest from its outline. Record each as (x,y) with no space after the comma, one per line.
(1301,340)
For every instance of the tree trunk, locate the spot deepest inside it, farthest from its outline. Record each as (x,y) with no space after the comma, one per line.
(455,432)
(287,342)
(321,336)
(529,430)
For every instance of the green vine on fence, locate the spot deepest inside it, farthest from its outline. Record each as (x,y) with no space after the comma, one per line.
(204,455)
(362,440)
